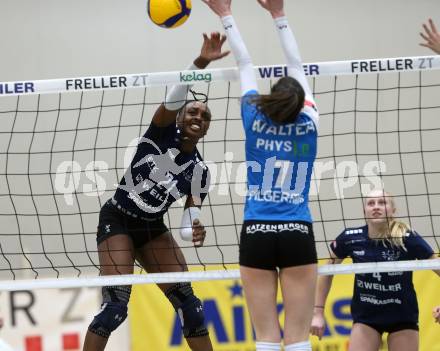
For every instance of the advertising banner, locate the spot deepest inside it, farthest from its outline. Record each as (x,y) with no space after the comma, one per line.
(155,325)
(53,320)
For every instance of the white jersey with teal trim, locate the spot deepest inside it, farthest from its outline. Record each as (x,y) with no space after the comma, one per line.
(280,161)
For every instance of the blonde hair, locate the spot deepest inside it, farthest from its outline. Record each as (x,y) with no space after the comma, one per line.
(396,229)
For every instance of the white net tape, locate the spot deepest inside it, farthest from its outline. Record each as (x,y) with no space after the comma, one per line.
(384,123)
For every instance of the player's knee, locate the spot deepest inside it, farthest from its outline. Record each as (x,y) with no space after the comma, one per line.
(189,308)
(111,316)
(192,318)
(113,310)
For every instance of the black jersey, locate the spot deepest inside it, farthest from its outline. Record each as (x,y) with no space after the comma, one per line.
(382,298)
(160,174)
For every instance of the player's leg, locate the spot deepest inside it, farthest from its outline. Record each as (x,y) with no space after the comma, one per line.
(298,288)
(260,283)
(364,338)
(403,340)
(116,256)
(260,290)
(162,254)
(297,260)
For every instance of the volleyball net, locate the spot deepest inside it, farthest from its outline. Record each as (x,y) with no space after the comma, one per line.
(65,145)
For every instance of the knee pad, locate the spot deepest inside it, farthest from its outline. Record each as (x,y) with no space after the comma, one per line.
(111,316)
(189,308)
(192,318)
(113,310)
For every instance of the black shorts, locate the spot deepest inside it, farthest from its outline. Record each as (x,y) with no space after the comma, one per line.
(113,221)
(392,328)
(277,244)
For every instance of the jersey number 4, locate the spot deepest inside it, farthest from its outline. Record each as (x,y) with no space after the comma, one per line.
(378,276)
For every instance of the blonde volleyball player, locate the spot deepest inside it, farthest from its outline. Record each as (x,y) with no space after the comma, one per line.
(277,242)
(382,302)
(165,167)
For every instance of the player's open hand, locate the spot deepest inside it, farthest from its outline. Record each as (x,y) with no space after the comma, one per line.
(431,37)
(318,324)
(212,47)
(436,314)
(220,7)
(199,233)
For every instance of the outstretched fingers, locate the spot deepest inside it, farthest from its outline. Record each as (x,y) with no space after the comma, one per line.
(263,3)
(431,36)
(275,7)
(223,39)
(212,47)
(223,54)
(428,41)
(433,28)
(429,33)
(219,7)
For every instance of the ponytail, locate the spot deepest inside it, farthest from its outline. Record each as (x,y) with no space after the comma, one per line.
(396,233)
(398,229)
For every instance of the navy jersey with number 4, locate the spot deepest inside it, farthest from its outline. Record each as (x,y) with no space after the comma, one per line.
(160,174)
(382,298)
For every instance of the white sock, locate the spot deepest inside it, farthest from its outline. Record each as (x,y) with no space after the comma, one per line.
(299,346)
(268,346)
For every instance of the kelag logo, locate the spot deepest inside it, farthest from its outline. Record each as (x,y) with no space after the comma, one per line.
(222,316)
(195,77)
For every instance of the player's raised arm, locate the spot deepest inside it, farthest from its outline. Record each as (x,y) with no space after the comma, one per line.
(176,97)
(288,42)
(222,8)
(431,36)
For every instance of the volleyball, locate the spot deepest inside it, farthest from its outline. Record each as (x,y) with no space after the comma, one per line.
(169,13)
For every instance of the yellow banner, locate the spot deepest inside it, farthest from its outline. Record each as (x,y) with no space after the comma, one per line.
(155,326)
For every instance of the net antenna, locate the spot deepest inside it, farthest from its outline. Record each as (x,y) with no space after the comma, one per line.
(65,144)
